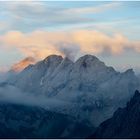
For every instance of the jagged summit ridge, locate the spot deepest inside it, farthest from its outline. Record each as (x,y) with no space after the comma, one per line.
(87,58)
(137,94)
(84,60)
(18,67)
(52,58)
(89,61)
(134,100)
(129,71)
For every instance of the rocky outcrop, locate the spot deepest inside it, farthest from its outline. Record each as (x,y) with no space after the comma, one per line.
(124,123)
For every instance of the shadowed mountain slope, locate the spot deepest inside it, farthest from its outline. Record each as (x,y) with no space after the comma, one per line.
(124,123)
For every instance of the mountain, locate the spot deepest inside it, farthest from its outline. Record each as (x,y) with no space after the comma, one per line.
(91,90)
(18,67)
(124,123)
(21,121)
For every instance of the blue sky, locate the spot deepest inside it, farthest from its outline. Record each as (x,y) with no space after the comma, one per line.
(108,18)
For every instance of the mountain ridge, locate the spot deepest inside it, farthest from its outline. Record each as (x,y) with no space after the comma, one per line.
(86,85)
(18,67)
(124,123)
(22,121)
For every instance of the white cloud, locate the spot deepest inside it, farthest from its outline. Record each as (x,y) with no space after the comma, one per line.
(30,15)
(40,44)
(93,10)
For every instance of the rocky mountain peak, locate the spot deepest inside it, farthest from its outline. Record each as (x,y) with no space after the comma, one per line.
(88,60)
(52,58)
(52,61)
(129,71)
(124,123)
(18,67)
(137,94)
(134,100)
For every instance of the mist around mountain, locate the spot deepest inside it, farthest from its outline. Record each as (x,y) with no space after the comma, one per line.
(87,91)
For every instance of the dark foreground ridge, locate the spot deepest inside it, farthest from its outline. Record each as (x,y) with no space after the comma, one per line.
(21,122)
(125,122)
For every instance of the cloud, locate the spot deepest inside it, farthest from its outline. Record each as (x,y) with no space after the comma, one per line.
(3,70)
(12,94)
(29,15)
(93,10)
(39,44)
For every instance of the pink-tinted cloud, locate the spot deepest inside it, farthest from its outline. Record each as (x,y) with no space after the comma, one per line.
(40,44)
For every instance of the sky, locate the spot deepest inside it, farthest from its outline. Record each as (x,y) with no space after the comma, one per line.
(108,29)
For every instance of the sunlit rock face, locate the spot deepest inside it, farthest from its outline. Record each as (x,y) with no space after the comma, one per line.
(91,90)
(23,64)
